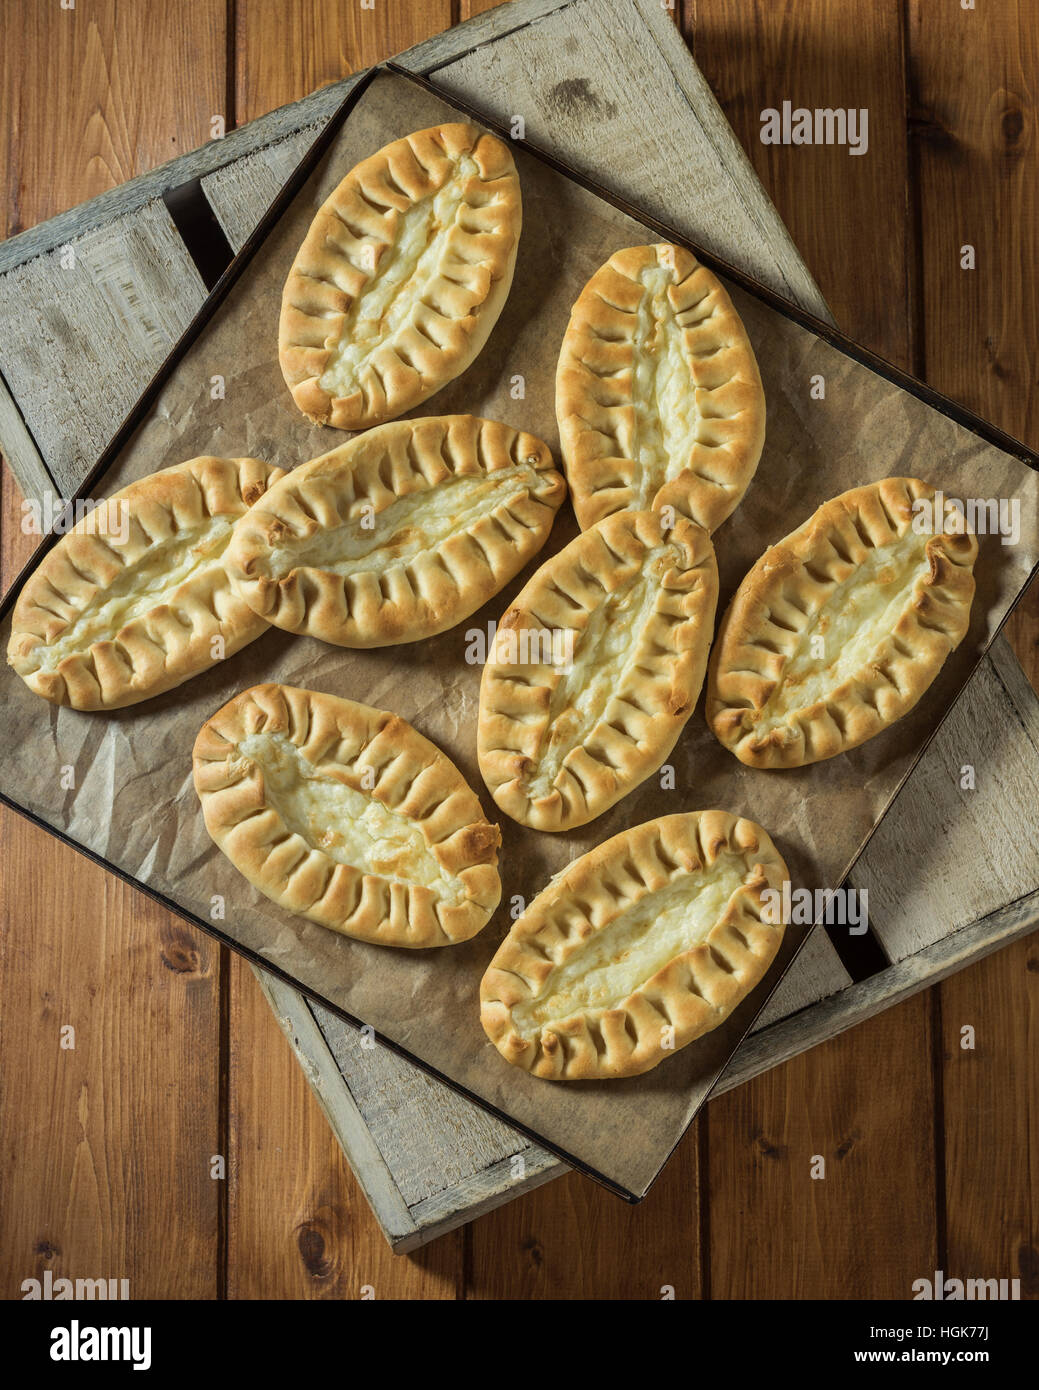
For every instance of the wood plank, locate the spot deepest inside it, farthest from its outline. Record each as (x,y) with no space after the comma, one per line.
(572,104)
(263,130)
(242,192)
(299,1223)
(865,1000)
(940,822)
(573,1239)
(824,195)
(18,450)
(991,1119)
(133,1110)
(974,120)
(866,1228)
(806,1236)
(105,324)
(297,46)
(816,975)
(430,1136)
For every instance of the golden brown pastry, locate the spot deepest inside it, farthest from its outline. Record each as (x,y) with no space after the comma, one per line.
(399,534)
(135,598)
(401,276)
(347,815)
(596,668)
(658,394)
(839,629)
(636,949)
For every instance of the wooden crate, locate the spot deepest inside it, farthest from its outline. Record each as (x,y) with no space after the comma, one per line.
(584,74)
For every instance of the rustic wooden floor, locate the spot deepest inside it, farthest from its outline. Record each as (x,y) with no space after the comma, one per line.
(932,1152)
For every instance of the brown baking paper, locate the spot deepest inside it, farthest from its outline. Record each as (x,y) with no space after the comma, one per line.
(134,804)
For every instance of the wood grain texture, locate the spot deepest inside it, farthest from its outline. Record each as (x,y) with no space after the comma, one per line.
(573,1239)
(812,53)
(106,1147)
(299,1225)
(991,1118)
(77,368)
(286,50)
(805,1237)
(550,79)
(866,1228)
(241,193)
(958,805)
(431,1141)
(973,109)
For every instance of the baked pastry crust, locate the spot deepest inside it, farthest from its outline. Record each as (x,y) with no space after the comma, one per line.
(889,602)
(630,609)
(106,621)
(348,816)
(658,394)
(401,277)
(399,534)
(661,928)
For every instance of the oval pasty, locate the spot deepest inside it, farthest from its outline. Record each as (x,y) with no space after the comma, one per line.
(658,394)
(401,276)
(129,603)
(636,949)
(399,534)
(347,815)
(596,668)
(889,603)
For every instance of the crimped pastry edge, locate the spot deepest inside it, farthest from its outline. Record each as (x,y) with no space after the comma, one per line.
(324,282)
(409,774)
(588,782)
(742,674)
(594,392)
(693,993)
(173,641)
(442,586)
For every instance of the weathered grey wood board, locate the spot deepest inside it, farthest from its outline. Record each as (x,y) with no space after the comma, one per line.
(583,74)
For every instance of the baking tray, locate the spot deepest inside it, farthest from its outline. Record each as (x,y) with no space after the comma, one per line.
(424,1004)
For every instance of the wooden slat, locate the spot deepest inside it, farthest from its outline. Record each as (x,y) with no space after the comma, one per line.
(240,193)
(573,1239)
(297,46)
(299,1223)
(974,113)
(991,1119)
(867,1228)
(109,320)
(571,104)
(93,1134)
(434,1197)
(989,824)
(805,1236)
(19,450)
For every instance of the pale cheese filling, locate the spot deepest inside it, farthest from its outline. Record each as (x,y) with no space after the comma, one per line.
(857,617)
(350,826)
(639,942)
(663,389)
(409,527)
(603,654)
(142,586)
(392,297)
